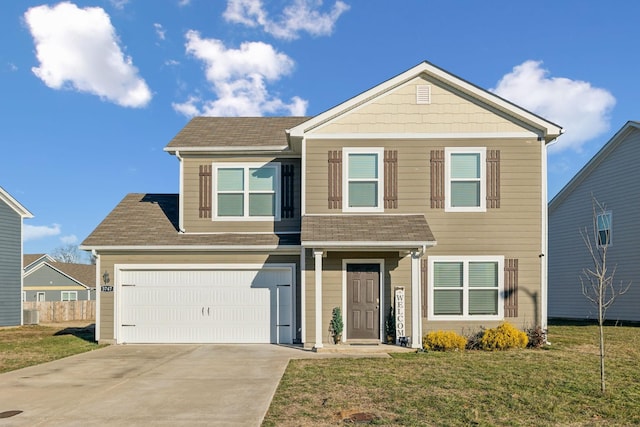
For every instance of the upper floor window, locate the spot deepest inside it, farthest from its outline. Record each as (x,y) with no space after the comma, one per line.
(465,183)
(69,296)
(466,288)
(364,179)
(603,221)
(247,191)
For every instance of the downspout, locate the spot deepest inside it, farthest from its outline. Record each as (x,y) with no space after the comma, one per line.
(181,195)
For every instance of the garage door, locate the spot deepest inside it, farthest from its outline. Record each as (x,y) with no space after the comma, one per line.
(215,305)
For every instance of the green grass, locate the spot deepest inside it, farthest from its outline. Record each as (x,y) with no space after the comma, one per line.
(31,345)
(558,385)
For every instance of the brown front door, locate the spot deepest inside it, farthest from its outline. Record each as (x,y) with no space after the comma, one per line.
(363,301)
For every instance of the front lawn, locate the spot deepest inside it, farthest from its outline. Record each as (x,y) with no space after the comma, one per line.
(34,344)
(559,385)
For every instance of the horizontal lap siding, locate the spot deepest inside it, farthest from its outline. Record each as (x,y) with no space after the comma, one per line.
(107,262)
(10,266)
(610,183)
(194,224)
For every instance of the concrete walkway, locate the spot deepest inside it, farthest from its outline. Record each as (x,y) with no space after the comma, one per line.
(149,385)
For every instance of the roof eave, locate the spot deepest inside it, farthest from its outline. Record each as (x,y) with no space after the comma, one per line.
(14,204)
(227,149)
(278,248)
(386,245)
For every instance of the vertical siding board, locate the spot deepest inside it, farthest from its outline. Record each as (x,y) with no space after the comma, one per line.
(493,178)
(437,179)
(335,179)
(510,288)
(206,191)
(423,283)
(391,179)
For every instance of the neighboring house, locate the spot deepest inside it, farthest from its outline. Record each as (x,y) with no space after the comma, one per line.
(610,177)
(45,279)
(425,183)
(12,214)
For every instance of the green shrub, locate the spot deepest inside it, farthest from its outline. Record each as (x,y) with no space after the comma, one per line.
(503,337)
(443,341)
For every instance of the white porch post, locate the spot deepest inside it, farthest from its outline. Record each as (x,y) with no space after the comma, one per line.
(318,279)
(416,305)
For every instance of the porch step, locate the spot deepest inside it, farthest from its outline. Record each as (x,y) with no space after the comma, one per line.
(363,348)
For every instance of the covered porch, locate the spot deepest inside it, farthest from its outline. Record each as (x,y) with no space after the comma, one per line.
(362,264)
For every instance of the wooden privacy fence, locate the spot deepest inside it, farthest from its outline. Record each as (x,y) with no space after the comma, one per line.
(62,311)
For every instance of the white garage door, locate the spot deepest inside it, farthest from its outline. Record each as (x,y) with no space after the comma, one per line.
(215,305)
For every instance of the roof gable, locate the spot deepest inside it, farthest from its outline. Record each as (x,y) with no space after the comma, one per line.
(14,204)
(437,76)
(82,274)
(606,150)
(30,260)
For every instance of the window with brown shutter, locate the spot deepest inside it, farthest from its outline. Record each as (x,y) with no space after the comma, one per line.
(437,179)
(493,178)
(391,179)
(335,179)
(205,191)
(287,191)
(510,287)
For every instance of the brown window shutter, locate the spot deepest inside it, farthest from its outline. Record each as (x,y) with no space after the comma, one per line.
(335,179)
(206,192)
(287,192)
(493,178)
(424,280)
(437,179)
(510,288)
(390,179)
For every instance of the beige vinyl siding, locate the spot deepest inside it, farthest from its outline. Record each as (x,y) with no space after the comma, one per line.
(397,273)
(613,183)
(108,260)
(194,224)
(397,112)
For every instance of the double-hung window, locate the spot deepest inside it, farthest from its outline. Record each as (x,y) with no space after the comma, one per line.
(363,186)
(465,183)
(246,191)
(466,288)
(603,223)
(69,296)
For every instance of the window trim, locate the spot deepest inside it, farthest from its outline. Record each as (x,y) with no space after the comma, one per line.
(245,167)
(610,242)
(70,293)
(482,151)
(465,288)
(44,296)
(379,151)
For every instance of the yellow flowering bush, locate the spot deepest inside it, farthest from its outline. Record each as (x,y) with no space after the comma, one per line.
(443,341)
(503,337)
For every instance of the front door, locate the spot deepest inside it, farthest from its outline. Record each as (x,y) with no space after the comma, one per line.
(363,301)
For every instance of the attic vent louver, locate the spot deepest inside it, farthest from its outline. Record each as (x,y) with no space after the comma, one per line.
(423,94)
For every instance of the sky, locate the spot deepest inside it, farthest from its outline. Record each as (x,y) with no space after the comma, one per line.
(92,91)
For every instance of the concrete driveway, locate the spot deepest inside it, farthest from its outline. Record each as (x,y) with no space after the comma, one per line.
(148,385)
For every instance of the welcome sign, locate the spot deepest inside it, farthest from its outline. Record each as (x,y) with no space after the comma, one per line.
(399,300)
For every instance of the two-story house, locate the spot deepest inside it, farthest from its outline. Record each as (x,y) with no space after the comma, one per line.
(425,189)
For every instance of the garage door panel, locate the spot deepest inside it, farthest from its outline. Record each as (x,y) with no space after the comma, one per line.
(216,306)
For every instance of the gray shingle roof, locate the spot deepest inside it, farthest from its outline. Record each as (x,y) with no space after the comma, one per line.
(152,220)
(83,273)
(235,132)
(367,229)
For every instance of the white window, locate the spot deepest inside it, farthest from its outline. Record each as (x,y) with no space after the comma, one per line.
(40,297)
(465,183)
(466,288)
(364,173)
(69,296)
(604,223)
(246,191)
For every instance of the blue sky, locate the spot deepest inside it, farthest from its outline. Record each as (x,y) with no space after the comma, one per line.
(92,91)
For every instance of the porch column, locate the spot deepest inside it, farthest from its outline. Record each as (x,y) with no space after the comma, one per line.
(317,255)
(416,298)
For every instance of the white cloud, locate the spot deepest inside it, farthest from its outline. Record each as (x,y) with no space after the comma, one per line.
(78,49)
(160,31)
(581,109)
(184,2)
(119,4)
(35,232)
(299,16)
(69,240)
(239,79)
